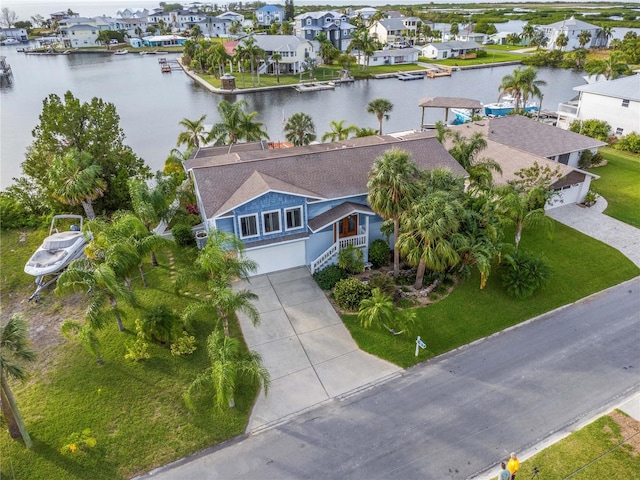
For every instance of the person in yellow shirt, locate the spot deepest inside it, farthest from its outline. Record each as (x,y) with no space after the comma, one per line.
(513,465)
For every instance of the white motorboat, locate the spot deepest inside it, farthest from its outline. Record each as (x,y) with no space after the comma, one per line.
(57,251)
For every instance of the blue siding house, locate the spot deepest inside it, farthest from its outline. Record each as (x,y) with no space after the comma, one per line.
(301,205)
(269,14)
(334,24)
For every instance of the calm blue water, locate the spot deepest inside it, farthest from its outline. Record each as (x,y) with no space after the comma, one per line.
(151,104)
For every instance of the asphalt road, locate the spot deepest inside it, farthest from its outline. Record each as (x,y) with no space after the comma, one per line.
(458,414)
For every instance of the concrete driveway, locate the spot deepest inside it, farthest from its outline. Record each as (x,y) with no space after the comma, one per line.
(306,348)
(593,222)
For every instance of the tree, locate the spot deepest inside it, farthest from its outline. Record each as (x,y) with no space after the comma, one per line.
(196,32)
(277,57)
(521,84)
(300,129)
(522,201)
(328,50)
(594,128)
(289,10)
(76,180)
(379,310)
(466,151)
(392,188)
(193,135)
(14,350)
(227,370)
(338,131)
(611,68)
(528,32)
(7,17)
(364,43)
(562,41)
(103,287)
(365,132)
(380,107)
(454,30)
(606,33)
(91,128)
(584,37)
(38,20)
(236,124)
(513,38)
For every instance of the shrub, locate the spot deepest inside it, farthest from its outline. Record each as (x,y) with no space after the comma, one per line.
(588,159)
(349,292)
(598,129)
(161,324)
(379,253)
(524,273)
(185,345)
(329,276)
(385,283)
(629,143)
(183,235)
(351,259)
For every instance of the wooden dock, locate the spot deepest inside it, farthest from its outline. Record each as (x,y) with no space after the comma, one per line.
(440,71)
(167,66)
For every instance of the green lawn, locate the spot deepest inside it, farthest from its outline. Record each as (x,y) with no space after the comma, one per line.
(588,454)
(470,313)
(134,410)
(492,57)
(619,183)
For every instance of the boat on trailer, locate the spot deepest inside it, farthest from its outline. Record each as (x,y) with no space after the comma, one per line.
(57,251)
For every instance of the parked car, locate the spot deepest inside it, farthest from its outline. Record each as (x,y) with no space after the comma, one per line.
(113,41)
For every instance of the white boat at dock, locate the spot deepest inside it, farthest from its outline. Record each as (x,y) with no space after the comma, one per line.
(121,52)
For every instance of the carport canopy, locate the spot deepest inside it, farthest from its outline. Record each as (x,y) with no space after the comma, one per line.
(447,103)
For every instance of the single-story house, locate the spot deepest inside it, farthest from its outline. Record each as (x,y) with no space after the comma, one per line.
(300,206)
(164,40)
(542,143)
(19,34)
(453,49)
(616,102)
(391,57)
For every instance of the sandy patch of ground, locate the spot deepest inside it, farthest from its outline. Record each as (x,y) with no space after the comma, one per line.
(629,429)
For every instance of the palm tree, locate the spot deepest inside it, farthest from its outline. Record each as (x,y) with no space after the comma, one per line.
(454,30)
(584,37)
(442,131)
(338,131)
(380,107)
(300,129)
(14,350)
(521,83)
(392,188)
(531,85)
(611,68)
(235,125)
(194,135)
(100,282)
(562,41)
(466,150)
(362,41)
(173,166)
(365,132)
(377,309)
(528,32)
(606,33)
(227,369)
(520,209)
(276,57)
(76,180)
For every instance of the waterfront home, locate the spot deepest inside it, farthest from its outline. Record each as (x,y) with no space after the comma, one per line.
(467,34)
(572,29)
(269,14)
(616,102)
(514,151)
(293,52)
(390,57)
(453,49)
(19,34)
(300,206)
(163,41)
(214,26)
(395,30)
(79,36)
(231,16)
(178,20)
(335,25)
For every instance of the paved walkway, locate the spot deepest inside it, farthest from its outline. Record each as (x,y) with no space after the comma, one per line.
(591,221)
(306,348)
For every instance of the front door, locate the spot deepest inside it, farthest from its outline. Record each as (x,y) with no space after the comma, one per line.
(348,226)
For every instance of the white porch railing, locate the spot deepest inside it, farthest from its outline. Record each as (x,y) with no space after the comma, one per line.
(357,241)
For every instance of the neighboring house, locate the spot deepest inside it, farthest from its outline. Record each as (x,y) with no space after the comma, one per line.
(215,26)
(177,20)
(395,30)
(19,34)
(467,34)
(134,27)
(163,40)
(334,24)
(293,50)
(616,102)
(572,29)
(390,57)
(269,14)
(300,206)
(513,150)
(453,49)
(499,38)
(231,16)
(79,36)
(365,13)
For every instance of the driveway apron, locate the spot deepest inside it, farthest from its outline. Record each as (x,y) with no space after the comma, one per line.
(309,353)
(591,221)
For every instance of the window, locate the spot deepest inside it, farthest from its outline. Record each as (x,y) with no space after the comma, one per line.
(308,21)
(625,103)
(619,131)
(271,222)
(248,226)
(293,217)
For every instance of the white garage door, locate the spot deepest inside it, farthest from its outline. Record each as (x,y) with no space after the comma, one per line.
(566,196)
(272,258)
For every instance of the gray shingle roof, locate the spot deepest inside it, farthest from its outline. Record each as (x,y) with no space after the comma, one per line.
(339,211)
(280,43)
(456,45)
(623,87)
(329,170)
(536,137)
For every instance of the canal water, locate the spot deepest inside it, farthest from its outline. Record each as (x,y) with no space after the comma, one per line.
(151,103)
